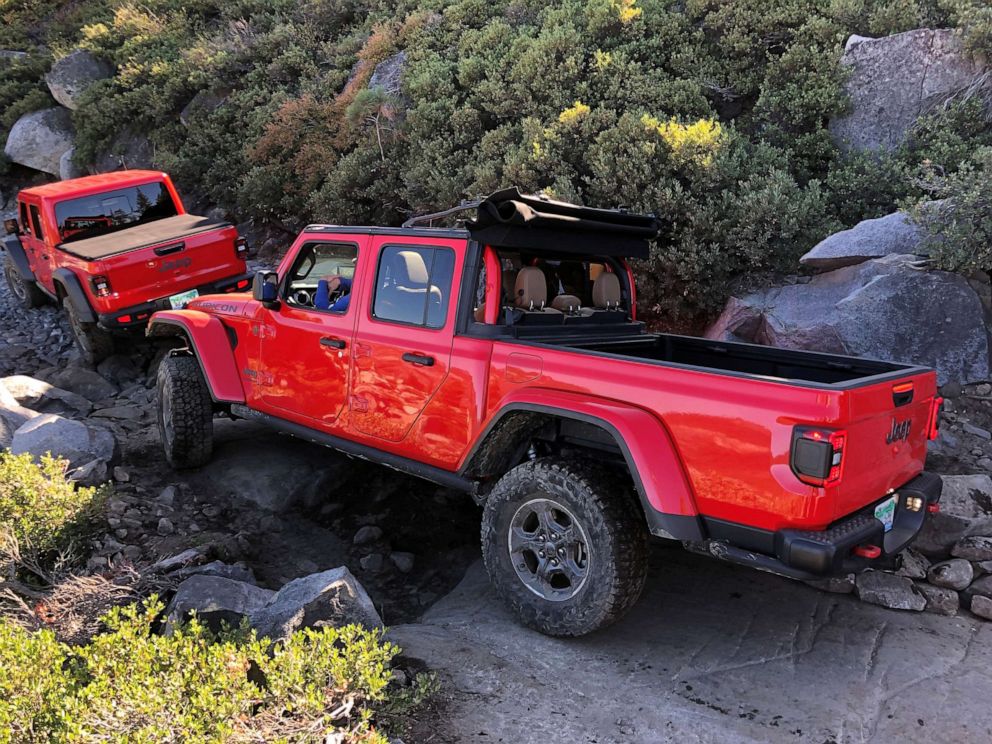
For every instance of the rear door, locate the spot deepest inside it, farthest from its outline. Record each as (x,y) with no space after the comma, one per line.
(403,343)
(886,439)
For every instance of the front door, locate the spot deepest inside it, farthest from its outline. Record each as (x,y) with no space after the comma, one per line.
(33,239)
(403,345)
(306,342)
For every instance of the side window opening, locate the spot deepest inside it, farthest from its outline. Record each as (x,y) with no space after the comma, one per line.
(413,285)
(36,223)
(25,224)
(321,277)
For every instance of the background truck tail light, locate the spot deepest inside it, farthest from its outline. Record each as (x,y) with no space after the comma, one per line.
(933,426)
(817,456)
(101,286)
(240,247)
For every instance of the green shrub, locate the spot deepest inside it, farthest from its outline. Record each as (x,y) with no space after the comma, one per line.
(130,684)
(41,511)
(958,224)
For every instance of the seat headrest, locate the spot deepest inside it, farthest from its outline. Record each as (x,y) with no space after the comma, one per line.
(606,291)
(530,289)
(408,269)
(566,303)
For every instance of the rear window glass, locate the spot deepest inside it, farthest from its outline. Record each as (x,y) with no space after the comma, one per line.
(99,214)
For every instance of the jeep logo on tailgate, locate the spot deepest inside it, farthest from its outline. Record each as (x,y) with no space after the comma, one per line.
(175,265)
(900,430)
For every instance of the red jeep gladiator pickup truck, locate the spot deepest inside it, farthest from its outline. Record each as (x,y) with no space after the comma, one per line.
(505,358)
(111,249)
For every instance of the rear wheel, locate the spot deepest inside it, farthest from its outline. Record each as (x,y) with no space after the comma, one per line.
(94,343)
(185,412)
(565,546)
(25,292)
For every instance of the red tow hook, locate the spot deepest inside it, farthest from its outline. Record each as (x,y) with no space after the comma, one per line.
(933,508)
(868,551)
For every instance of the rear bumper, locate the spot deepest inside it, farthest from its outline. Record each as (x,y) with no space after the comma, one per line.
(135,318)
(808,554)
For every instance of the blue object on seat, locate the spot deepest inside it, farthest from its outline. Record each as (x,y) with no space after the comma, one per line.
(322,298)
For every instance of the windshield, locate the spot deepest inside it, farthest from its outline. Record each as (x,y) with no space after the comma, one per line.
(99,214)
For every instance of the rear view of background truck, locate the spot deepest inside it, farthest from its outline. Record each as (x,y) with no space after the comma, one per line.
(114,248)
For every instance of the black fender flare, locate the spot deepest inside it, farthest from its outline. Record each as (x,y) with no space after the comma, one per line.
(18,257)
(73,289)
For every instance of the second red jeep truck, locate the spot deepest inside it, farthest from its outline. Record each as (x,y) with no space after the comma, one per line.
(505,359)
(113,248)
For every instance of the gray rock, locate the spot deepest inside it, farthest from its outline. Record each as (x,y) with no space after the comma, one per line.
(119,369)
(372,563)
(888,590)
(834,584)
(43,397)
(894,233)
(368,534)
(940,600)
(881,309)
(93,473)
(12,416)
(165,526)
(39,139)
(91,385)
(127,150)
(388,74)
(332,597)
(235,572)
(121,475)
(67,167)
(215,600)
(72,440)
(167,496)
(894,80)
(983,567)
(953,574)
(180,560)
(914,565)
(73,74)
(8,56)
(982,586)
(965,509)
(204,102)
(121,413)
(982,606)
(976,431)
(403,561)
(978,548)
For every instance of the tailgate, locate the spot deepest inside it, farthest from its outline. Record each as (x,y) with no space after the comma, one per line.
(172,266)
(887,438)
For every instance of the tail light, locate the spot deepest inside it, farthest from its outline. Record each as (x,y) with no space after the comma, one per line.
(241,247)
(817,456)
(933,425)
(101,286)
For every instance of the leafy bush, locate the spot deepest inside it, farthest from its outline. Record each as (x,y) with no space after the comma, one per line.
(41,511)
(132,685)
(958,224)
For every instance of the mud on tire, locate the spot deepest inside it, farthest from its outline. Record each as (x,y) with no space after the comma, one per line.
(185,412)
(94,343)
(581,503)
(25,292)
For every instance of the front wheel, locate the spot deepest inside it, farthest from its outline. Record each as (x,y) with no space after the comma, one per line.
(185,412)
(24,291)
(565,545)
(94,343)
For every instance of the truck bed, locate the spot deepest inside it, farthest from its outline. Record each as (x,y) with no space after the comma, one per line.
(141,236)
(751,360)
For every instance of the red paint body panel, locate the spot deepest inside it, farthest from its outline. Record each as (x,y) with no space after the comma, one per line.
(137,276)
(702,441)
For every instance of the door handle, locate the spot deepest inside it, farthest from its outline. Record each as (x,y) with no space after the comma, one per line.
(421,360)
(334,343)
(165,250)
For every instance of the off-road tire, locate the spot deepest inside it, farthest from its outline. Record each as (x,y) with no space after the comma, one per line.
(604,506)
(185,412)
(94,343)
(25,292)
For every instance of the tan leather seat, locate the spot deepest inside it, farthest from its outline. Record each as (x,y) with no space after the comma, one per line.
(606,291)
(531,290)
(567,303)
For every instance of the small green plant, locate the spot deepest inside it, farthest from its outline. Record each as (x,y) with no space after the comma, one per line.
(42,513)
(130,684)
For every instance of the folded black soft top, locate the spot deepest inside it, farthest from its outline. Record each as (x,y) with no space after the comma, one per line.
(141,236)
(509,219)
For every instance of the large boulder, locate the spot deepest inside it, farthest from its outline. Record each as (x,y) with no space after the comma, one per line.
(388,74)
(67,167)
(39,140)
(129,149)
(12,416)
(894,233)
(965,510)
(73,74)
(85,382)
(881,309)
(888,590)
(896,79)
(72,440)
(332,597)
(42,397)
(203,103)
(215,600)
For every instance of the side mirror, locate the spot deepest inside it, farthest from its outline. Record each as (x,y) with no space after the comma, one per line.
(11,226)
(265,288)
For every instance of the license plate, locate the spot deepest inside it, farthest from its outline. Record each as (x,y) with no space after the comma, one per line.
(178,301)
(886,512)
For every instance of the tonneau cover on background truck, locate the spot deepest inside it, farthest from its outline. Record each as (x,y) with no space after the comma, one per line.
(170,229)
